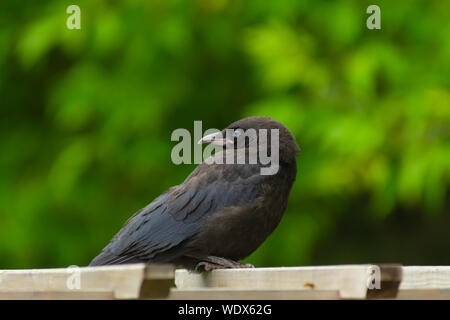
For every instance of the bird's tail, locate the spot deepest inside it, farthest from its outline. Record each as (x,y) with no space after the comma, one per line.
(108,258)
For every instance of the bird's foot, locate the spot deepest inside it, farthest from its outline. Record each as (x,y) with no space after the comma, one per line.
(209,263)
(207,266)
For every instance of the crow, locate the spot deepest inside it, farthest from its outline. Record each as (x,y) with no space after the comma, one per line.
(221,213)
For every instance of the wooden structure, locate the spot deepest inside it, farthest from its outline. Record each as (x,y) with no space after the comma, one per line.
(140,281)
(134,281)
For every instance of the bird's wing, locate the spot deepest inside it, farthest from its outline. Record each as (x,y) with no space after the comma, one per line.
(149,231)
(177,214)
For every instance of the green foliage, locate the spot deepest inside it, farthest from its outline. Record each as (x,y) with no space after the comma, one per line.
(86,117)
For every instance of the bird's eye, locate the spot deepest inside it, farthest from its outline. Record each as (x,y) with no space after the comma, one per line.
(237,133)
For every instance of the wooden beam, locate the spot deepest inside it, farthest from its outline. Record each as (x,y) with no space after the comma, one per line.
(349,281)
(232,294)
(140,281)
(134,281)
(425,282)
(420,277)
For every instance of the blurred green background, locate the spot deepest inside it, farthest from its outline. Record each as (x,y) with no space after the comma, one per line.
(86,117)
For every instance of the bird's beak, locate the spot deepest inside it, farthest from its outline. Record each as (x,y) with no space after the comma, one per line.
(215,139)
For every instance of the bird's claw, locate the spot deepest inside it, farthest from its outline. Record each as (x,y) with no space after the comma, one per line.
(208,266)
(247,265)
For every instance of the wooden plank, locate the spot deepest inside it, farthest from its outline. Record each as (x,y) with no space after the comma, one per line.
(425,277)
(423,294)
(140,281)
(54,295)
(425,282)
(132,281)
(350,281)
(231,294)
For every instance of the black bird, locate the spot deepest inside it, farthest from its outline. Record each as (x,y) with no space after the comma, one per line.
(220,214)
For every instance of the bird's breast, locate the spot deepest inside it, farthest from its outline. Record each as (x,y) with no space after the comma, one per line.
(236,231)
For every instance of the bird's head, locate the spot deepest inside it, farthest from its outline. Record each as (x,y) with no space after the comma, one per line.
(255,131)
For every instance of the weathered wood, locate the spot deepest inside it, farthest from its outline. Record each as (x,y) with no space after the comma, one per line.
(425,282)
(232,294)
(55,295)
(140,281)
(349,281)
(134,281)
(430,277)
